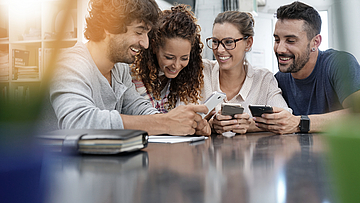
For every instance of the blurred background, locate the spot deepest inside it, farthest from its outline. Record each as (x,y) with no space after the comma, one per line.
(29,29)
(33,31)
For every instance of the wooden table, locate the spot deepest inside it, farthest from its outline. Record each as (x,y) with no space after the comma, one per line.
(254,168)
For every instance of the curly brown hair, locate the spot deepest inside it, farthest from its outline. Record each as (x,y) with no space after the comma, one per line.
(115,15)
(179,22)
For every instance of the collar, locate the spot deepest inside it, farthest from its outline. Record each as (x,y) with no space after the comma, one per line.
(245,89)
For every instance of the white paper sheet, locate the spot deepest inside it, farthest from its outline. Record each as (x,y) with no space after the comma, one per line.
(174,139)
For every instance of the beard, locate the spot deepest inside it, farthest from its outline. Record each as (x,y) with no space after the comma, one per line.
(298,64)
(118,52)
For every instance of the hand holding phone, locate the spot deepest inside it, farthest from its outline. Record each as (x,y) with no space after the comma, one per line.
(212,101)
(231,109)
(226,126)
(258,110)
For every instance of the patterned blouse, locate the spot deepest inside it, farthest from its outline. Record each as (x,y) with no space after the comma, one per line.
(158,104)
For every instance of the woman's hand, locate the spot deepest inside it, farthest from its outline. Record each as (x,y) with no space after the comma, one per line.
(239,124)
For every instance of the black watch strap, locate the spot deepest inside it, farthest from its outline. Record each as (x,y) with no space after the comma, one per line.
(304,124)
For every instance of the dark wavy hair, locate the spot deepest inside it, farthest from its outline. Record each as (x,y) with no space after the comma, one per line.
(177,22)
(115,15)
(300,11)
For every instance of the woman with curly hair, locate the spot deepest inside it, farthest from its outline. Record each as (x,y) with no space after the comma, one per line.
(169,72)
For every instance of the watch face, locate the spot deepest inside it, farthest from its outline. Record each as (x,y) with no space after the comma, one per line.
(304,124)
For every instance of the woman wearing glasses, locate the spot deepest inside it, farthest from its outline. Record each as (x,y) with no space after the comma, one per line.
(169,72)
(232,74)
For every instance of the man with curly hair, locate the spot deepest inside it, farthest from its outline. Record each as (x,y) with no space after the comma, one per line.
(92,87)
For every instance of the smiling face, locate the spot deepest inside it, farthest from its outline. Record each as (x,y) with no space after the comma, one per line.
(230,59)
(124,47)
(173,56)
(291,47)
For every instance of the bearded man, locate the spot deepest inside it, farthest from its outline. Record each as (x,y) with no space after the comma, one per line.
(318,85)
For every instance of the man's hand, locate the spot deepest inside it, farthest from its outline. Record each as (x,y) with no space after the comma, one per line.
(280,122)
(204,126)
(239,124)
(185,120)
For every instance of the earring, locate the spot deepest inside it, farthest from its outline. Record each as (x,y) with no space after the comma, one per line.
(313,49)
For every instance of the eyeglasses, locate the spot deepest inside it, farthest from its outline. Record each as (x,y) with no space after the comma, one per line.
(228,42)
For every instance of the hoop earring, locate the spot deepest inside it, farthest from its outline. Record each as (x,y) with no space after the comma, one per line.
(313,49)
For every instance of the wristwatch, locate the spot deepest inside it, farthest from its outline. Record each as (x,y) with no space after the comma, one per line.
(304,124)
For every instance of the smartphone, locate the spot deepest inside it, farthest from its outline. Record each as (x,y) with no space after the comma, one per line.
(231,109)
(212,101)
(258,110)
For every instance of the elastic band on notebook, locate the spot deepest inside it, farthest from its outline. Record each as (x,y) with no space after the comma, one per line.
(71,143)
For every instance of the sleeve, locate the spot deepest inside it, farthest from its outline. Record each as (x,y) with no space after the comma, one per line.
(71,95)
(274,94)
(134,103)
(208,86)
(345,75)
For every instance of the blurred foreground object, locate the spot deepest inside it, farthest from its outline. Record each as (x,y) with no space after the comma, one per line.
(344,148)
(20,158)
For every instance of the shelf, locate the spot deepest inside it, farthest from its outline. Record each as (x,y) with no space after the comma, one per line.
(25,80)
(26,42)
(4,42)
(31,26)
(63,43)
(63,40)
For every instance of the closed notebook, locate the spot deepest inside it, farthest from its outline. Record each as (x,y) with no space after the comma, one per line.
(94,141)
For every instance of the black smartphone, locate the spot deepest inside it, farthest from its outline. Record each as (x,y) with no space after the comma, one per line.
(258,110)
(231,109)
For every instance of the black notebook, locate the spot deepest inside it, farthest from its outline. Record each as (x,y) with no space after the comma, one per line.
(94,141)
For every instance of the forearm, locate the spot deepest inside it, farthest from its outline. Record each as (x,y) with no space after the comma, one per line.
(183,120)
(320,122)
(152,124)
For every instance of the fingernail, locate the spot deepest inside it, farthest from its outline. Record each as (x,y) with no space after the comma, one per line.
(254,118)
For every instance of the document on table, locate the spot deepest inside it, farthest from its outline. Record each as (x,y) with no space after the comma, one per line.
(174,139)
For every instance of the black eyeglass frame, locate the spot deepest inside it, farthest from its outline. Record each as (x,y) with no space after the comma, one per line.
(221,42)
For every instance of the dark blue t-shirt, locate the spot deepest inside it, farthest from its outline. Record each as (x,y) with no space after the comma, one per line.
(336,75)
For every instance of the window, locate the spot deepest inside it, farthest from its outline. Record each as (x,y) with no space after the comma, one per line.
(324,31)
